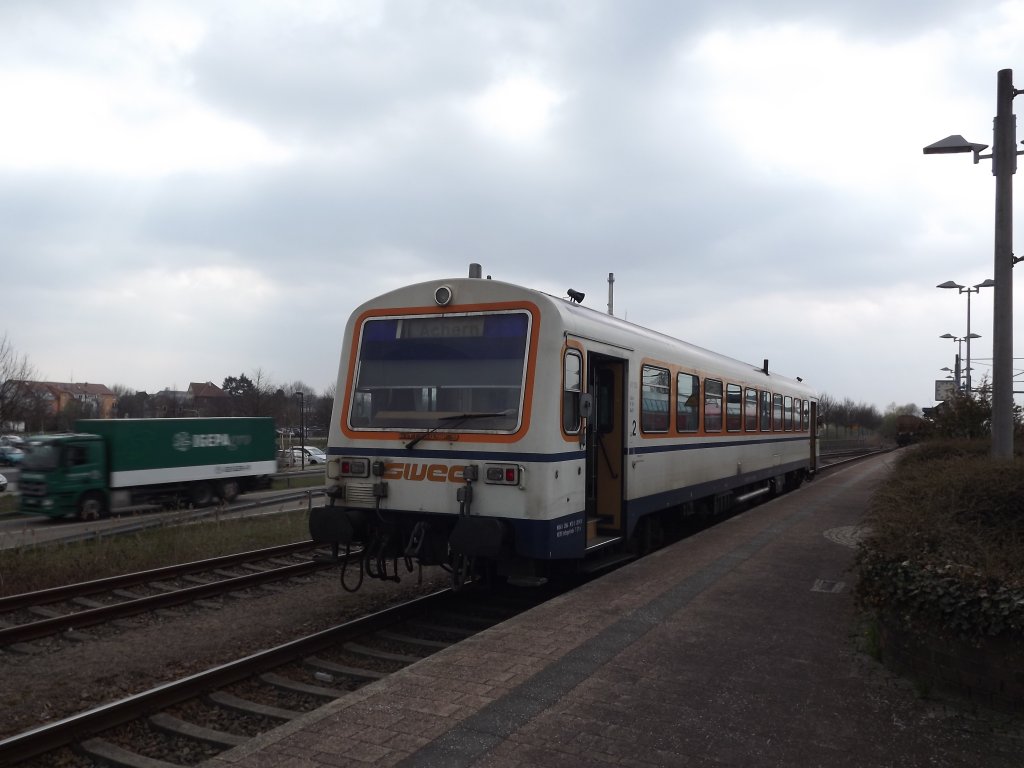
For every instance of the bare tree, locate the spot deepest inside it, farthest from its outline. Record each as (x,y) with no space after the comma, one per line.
(15,374)
(288,401)
(263,394)
(826,410)
(324,406)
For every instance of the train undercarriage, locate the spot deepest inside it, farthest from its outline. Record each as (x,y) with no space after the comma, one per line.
(379,543)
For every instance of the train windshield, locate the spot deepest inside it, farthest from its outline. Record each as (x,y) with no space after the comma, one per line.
(417,373)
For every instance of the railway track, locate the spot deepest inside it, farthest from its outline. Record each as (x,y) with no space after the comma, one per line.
(839,458)
(132,522)
(33,615)
(191,719)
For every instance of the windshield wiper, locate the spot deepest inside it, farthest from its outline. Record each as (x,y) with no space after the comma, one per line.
(456,420)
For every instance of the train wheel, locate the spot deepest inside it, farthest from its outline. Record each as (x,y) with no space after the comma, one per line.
(648,535)
(793,480)
(90,507)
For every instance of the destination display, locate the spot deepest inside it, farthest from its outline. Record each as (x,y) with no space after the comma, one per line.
(441,327)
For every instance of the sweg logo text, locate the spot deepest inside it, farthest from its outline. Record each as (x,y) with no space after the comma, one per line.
(435,473)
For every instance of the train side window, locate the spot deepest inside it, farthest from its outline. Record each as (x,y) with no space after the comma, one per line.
(572,386)
(788,412)
(654,395)
(712,405)
(777,413)
(687,399)
(733,407)
(750,410)
(766,411)
(807,415)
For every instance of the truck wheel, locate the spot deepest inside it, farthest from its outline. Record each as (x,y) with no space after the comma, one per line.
(202,495)
(229,490)
(91,507)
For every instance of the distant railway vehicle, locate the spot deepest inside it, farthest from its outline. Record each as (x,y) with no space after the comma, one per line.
(910,429)
(486,427)
(111,464)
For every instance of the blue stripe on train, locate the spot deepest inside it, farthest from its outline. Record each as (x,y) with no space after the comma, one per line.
(525,458)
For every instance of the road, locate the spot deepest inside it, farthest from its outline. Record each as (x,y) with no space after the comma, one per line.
(29,530)
(12,474)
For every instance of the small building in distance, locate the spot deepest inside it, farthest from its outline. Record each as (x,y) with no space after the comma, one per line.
(54,397)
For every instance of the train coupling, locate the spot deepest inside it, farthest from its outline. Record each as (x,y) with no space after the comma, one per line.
(337,525)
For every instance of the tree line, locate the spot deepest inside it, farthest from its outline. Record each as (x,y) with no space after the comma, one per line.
(258,395)
(845,418)
(243,395)
(290,405)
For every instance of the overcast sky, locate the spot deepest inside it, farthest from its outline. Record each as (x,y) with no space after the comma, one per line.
(195,190)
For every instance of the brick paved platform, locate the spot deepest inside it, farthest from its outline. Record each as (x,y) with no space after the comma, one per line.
(736,647)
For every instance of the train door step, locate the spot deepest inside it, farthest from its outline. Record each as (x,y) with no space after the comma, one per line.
(600,541)
(597,523)
(608,561)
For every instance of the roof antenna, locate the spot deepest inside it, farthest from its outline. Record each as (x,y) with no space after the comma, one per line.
(764,370)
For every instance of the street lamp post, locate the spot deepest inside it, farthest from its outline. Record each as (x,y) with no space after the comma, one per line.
(957,373)
(964,289)
(1004,165)
(302,427)
(959,356)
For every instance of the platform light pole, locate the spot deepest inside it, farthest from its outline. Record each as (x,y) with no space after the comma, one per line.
(964,289)
(959,356)
(957,372)
(302,427)
(1004,165)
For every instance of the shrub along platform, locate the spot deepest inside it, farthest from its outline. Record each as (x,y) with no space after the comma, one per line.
(943,571)
(989,672)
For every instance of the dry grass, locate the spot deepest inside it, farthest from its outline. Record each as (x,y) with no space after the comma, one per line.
(949,505)
(28,569)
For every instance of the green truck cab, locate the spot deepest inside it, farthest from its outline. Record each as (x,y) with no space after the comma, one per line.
(109,465)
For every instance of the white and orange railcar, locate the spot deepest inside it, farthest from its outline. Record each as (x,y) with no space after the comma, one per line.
(479,424)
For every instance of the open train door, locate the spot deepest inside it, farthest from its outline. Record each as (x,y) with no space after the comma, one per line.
(606,439)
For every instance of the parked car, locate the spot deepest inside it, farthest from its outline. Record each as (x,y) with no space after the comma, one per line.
(11,456)
(3,483)
(312,455)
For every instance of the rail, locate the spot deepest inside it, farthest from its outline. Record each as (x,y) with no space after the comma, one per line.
(52,736)
(183,516)
(16,633)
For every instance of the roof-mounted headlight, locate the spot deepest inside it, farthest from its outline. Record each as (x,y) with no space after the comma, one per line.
(443,295)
